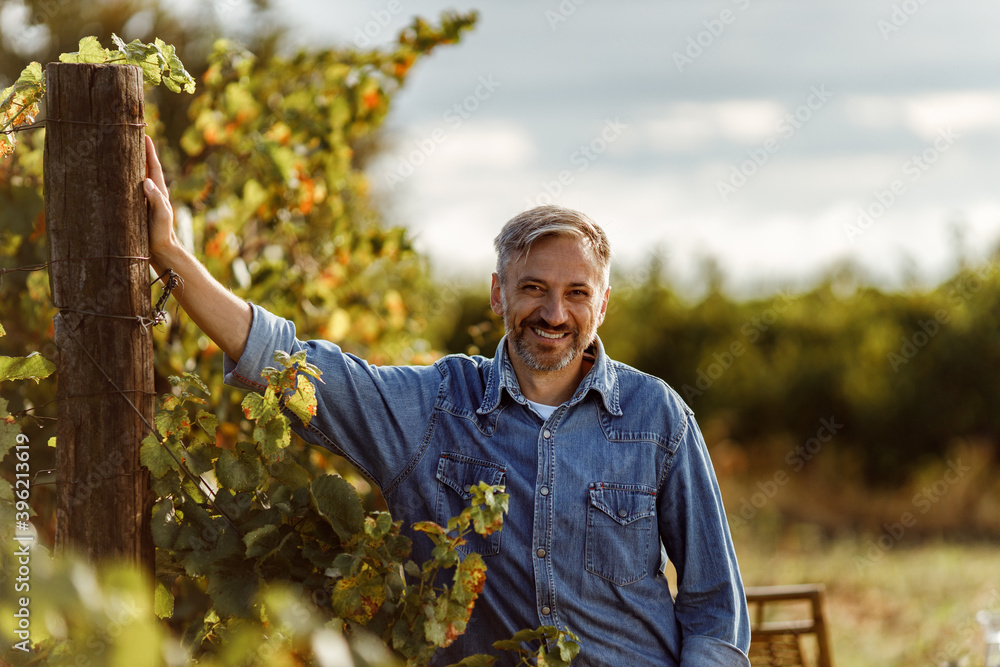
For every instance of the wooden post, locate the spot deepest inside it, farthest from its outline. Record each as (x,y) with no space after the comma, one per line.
(95,214)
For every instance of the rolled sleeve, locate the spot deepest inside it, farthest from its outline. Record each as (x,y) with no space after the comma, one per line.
(374,416)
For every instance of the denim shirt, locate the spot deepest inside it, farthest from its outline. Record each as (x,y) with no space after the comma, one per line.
(615,481)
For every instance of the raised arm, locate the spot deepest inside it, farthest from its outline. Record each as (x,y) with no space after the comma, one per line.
(224,317)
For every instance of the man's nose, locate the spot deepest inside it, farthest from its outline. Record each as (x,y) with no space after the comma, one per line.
(554,311)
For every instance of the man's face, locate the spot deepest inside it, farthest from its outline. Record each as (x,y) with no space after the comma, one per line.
(552,302)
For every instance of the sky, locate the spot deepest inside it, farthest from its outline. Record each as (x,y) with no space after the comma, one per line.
(779,138)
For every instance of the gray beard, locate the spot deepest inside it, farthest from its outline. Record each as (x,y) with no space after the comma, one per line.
(517,337)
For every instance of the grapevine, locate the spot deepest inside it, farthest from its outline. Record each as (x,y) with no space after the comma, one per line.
(157,60)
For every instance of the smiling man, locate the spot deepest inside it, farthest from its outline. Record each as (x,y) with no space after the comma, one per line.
(607,472)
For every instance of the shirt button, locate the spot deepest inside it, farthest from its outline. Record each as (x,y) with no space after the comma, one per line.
(468,488)
(546,434)
(544,490)
(622,513)
(546,611)
(540,553)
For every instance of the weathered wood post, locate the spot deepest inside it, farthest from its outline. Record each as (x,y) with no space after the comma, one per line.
(95,215)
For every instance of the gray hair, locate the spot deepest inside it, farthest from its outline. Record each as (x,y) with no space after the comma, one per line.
(517,236)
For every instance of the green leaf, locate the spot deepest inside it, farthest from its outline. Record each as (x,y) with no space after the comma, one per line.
(9,430)
(290,473)
(302,402)
(338,502)
(163,524)
(528,635)
(262,541)
(273,436)
(200,456)
(479,660)
(233,505)
(173,418)
(358,597)
(176,78)
(154,455)
(234,588)
(242,470)
(470,577)
(487,508)
(208,544)
(163,601)
(32,367)
(380,527)
(254,407)
(90,51)
(507,645)
(208,422)
(568,648)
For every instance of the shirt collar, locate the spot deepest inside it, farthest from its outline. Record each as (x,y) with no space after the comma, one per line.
(601,378)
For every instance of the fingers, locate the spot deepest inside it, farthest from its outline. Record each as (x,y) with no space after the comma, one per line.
(153,168)
(158,201)
(154,187)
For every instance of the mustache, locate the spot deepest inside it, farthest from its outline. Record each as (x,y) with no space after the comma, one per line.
(542,324)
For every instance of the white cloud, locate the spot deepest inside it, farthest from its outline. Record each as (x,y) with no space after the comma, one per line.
(493,144)
(962,110)
(688,126)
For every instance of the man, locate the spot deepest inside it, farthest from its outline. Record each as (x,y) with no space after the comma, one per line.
(607,471)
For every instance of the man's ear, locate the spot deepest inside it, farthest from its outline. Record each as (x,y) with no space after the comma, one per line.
(604,306)
(496,302)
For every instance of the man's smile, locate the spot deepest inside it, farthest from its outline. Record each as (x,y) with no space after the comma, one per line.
(549,336)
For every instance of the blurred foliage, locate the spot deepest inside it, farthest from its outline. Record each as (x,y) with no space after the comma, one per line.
(904,376)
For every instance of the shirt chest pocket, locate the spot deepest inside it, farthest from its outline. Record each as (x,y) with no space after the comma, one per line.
(456,475)
(620,522)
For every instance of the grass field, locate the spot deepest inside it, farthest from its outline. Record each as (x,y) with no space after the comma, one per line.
(908,605)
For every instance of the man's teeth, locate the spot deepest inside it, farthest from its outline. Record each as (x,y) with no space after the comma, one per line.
(544,334)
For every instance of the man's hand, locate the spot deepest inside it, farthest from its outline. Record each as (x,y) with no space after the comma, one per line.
(161,219)
(224,317)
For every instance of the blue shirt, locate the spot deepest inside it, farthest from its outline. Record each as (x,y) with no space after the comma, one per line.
(616,480)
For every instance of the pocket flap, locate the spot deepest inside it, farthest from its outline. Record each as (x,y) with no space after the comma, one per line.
(624,503)
(462,472)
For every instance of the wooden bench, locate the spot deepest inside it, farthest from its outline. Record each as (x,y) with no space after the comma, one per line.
(776,639)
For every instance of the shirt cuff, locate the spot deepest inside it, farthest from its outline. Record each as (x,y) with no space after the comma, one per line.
(267,334)
(702,651)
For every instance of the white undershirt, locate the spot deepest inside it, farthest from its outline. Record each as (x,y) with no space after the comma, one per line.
(544,411)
